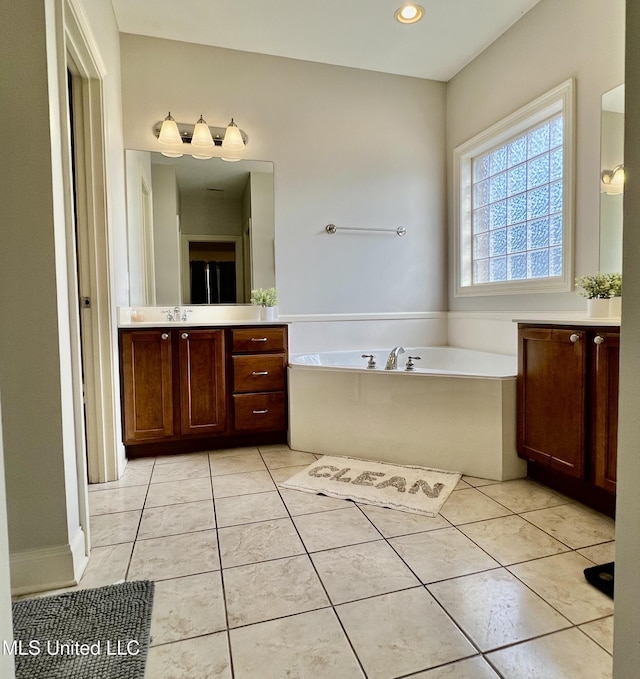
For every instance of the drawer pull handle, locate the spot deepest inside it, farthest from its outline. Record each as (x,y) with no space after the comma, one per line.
(259,339)
(259,372)
(260,412)
(574,338)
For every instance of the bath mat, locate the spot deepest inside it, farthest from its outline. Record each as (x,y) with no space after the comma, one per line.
(601,577)
(409,488)
(84,634)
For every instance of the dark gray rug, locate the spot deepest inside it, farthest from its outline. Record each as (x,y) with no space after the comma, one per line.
(98,633)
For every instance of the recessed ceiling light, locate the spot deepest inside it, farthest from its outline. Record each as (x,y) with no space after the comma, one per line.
(409,14)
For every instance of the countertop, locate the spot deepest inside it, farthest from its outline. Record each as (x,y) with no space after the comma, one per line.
(198,324)
(595,322)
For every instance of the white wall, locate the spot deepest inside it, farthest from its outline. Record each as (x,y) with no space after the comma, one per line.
(209,214)
(556,40)
(626,657)
(350,147)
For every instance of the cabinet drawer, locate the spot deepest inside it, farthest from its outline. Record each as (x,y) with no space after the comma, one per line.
(253,340)
(258,373)
(260,412)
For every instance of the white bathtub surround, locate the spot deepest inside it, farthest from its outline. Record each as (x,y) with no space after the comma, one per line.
(456,411)
(407,488)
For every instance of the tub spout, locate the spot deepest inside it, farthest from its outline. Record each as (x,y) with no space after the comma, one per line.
(392,360)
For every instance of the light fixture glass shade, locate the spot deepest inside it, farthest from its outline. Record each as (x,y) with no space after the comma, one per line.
(233,140)
(202,141)
(170,138)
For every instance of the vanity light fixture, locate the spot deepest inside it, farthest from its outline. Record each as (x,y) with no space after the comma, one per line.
(200,140)
(613,180)
(409,13)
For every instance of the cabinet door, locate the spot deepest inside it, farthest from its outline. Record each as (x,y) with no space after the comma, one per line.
(147,385)
(552,397)
(202,382)
(604,413)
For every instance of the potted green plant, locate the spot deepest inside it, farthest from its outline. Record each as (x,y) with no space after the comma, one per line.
(615,299)
(597,290)
(266,299)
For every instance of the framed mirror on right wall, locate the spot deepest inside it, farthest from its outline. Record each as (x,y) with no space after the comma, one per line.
(611,179)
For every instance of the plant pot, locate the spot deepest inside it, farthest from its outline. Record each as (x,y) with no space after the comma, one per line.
(598,307)
(267,313)
(615,307)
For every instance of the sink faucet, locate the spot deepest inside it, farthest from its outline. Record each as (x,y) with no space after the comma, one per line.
(176,313)
(392,360)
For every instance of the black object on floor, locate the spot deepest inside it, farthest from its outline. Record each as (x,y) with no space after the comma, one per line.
(601,577)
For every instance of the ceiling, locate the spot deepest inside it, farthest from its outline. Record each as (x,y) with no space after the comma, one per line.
(355,33)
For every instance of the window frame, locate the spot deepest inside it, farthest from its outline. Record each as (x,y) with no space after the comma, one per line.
(558,100)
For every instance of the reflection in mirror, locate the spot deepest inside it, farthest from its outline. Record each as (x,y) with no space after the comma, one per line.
(199,231)
(611,196)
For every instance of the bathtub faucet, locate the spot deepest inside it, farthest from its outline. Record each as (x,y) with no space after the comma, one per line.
(392,360)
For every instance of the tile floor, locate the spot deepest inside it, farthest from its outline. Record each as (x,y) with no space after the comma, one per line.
(255,581)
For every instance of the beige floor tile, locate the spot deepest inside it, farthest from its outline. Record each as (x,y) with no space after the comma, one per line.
(284,473)
(254,542)
(140,461)
(200,658)
(133,476)
(338,528)
(276,459)
(565,655)
(187,517)
(402,632)
(463,506)
(175,492)
(272,589)
(305,646)
(461,485)
(107,565)
(601,631)
(187,607)
(232,452)
(472,668)
(560,581)
(477,482)
(599,554)
(233,511)
(117,500)
(522,495)
(511,539)
(174,556)
(392,523)
(363,570)
(235,464)
(182,458)
(440,554)
(241,484)
(177,471)
(575,525)
(298,502)
(112,529)
(494,608)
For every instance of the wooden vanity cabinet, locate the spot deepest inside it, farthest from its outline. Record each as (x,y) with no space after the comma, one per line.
(568,409)
(186,389)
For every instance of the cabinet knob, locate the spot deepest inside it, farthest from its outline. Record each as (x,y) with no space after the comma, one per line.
(185,335)
(164,336)
(574,338)
(598,340)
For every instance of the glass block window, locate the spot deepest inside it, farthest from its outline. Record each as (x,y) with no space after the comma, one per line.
(514,209)
(517,192)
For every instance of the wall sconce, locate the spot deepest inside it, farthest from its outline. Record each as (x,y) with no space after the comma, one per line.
(202,139)
(613,180)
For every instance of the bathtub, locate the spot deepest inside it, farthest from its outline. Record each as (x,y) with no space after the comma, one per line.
(456,410)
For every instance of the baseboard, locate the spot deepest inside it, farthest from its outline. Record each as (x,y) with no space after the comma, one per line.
(49,568)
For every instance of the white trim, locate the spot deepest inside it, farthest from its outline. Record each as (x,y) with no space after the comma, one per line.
(187,238)
(559,99)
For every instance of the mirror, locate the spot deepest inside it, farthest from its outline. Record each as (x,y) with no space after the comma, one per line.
(199,231)
(612,178)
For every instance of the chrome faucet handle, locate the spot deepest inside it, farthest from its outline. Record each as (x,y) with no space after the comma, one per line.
(184,316)
(410,362)
(169,313)
(371,363)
